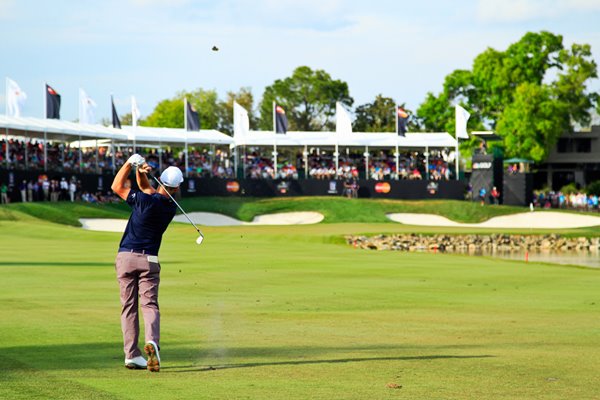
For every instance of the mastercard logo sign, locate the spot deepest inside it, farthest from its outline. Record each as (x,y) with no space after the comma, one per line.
(233,187)
(382,187)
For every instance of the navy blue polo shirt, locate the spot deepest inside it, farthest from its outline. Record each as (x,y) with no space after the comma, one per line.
(150,216)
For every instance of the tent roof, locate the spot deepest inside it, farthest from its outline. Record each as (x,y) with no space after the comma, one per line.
(359,139)
(65,130)
(58,129)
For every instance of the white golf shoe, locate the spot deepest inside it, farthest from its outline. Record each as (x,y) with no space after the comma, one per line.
(151,349)
(138,362)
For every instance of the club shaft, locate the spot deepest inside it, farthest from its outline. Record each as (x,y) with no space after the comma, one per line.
(177,204)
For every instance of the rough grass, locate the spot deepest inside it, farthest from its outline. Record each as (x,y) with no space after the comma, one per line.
(284,313)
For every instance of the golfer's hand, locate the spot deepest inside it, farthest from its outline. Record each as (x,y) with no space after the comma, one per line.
(144,168)
(136,160)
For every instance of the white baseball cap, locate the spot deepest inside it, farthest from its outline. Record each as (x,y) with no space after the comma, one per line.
(171,177)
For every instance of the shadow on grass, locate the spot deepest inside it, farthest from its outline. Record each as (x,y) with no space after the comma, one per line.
(190,368)
(184,358)
(54,264)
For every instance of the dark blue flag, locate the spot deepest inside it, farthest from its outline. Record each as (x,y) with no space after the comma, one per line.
(116,122)
(52,103)
(281,121)
(193,120)
(401,129)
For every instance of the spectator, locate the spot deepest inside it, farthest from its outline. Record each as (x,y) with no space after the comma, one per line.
(3,193)
(495,193)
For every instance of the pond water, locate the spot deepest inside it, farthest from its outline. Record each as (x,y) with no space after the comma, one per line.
(582,258)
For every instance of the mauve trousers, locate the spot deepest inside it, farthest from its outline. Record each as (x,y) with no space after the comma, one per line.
(138,278)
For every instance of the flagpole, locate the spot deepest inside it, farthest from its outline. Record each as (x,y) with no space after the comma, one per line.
(6,98)
(457,157)
(45,112)
(274,117)
(185,125)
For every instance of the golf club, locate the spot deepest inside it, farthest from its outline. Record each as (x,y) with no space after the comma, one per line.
(201,237)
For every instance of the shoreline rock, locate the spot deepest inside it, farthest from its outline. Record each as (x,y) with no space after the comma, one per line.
(474,243)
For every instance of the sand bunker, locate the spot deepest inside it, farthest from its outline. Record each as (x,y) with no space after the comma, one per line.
(211,219)
(288,218)
(535,220)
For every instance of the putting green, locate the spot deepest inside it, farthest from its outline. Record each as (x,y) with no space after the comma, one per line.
(292,313)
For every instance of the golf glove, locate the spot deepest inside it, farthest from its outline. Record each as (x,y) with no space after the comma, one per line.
(136,160)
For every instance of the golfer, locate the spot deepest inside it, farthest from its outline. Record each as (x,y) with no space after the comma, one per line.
(137,266)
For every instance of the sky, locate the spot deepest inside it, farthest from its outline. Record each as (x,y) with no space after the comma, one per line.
(154,48)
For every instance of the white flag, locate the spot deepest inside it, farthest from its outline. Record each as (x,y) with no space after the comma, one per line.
(343,123)
(86,108)
(241,122)
(135,112)
(462,116)
(15,98)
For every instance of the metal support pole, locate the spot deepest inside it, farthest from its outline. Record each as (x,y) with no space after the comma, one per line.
(45,151)
(62,153)
(366,162)
(160,156)
(305,154)
(7,150)
(187,174)
(274,160)
(337,160)
(397,154)
(112,154)
(80,155)
(97,155)
(427,162)
(26,153)
(212,158)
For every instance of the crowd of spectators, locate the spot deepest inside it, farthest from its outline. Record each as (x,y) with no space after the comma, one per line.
(53,190)
(574,200)
(205,163)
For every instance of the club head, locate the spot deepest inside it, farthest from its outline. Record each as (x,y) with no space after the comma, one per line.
(200,239)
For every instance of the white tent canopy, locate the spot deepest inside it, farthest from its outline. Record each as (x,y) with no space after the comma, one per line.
(355,139)
(72,131)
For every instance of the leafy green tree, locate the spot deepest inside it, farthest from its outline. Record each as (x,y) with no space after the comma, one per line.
(529,94)
(379,116)
(308,97)
(169,113)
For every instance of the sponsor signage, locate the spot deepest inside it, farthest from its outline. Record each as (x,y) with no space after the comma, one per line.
(383,187)
(432,188)
(191,186)
(332,187)
(283,187)
(482,165)
(232,187)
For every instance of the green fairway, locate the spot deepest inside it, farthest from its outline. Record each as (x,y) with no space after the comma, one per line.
(292,313)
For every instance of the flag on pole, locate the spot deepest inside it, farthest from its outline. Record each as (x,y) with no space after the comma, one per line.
(86,108)
(402,121)
(343,122)
(462,116)
(15,98)
(241,122)
(52,103)
(281,121)
(192,118)
(116,122)
(135,112)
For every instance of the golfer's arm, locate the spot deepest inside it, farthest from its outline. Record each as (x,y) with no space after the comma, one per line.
(118,185)
(143,183)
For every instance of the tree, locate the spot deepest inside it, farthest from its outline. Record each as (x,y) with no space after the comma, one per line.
(379,116)
(308,98)
(496,93)
(169,113)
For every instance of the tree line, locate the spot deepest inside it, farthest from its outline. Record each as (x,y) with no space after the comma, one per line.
(529,94)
